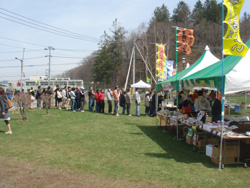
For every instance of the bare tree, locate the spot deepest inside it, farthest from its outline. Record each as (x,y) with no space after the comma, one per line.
(23,101)
(47,101)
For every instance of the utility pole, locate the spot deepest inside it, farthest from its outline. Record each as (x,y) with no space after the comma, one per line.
(21,60)
(49,48)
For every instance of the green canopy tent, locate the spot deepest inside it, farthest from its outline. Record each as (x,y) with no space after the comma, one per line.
(236,77)
(205,60)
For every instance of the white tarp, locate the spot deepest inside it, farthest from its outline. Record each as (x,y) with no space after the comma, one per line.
(141,84)
(238,79)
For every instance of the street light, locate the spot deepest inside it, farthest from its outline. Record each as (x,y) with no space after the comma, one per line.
(183,62)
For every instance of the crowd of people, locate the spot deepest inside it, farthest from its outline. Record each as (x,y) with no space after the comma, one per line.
(75,99)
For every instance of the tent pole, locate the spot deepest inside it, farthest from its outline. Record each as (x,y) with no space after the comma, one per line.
(156,97)
(176,84)
(222,90)
(125,87)
(245,106)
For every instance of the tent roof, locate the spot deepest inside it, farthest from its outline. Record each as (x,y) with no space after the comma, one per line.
(236,69)
(141,84)
(205,60)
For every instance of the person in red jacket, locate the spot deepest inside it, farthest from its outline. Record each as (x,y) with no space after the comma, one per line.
(97,106)
(101,101)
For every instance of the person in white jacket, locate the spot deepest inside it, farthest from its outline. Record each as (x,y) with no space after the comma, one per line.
(137,101)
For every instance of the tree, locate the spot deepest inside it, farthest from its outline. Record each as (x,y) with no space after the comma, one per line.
(245,27)
(197,13)
(23,101)
(181,14)
(212,11)
(161,14)
(110,55)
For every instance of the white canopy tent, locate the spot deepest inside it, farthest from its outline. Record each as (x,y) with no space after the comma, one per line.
(141,84)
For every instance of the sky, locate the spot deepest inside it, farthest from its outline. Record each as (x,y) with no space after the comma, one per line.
(88,19)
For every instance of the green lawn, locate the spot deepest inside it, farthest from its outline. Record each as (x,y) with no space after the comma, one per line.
(127,148)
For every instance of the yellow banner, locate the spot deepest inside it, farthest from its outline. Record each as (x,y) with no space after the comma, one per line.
(233,44)
(161,60)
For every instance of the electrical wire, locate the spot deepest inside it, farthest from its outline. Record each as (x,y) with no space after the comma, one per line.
(24,59)
(23,42)
(70,32)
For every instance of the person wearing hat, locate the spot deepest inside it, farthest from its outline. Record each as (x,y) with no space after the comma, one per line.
(82,99)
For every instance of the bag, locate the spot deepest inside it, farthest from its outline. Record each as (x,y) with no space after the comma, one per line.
(9,103)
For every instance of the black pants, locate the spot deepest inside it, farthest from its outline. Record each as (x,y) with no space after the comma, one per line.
(110,106)
(128,108)
(102,105)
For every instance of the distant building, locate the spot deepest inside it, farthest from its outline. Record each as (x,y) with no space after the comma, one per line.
(35,81)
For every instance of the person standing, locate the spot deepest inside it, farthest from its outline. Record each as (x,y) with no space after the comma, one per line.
(32,97)
(123,101)
(78,98)
(57,87)
(101,101)
(38,96)
(97,104)
(147,104)
(68,105)
(137,101)
(4,110)
(73,99)
(59,98)
(82,99)
(64,97)
(202,106)
(109,98)
(91,99)
(215,107)
(128,101)
(116,100)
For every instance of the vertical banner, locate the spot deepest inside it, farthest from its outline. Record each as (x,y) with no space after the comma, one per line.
(161,59)
(233,44)
(185,38)
(170,68)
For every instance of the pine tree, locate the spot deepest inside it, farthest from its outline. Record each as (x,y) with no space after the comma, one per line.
(181,14)
(197,13)
(161,14)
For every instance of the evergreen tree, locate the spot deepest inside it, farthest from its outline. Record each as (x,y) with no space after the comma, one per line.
(161,14)
(212,11)
(110,55)
(197,13)
(181,14)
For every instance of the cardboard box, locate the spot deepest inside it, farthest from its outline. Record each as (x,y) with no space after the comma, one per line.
(212,141)
(229,152)
(226,160)
(163,121)
(201,144)
(189,140)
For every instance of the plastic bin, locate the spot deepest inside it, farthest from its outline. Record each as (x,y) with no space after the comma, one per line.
(236,108)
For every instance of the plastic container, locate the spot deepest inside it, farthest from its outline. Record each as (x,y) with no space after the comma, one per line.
(236,108)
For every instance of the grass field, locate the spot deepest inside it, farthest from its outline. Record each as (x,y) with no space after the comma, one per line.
(124,148)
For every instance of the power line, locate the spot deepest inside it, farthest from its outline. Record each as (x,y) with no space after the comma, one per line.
(23,42)
(48,30)
(68,57)
(70,32)
(25,59)
(9,52)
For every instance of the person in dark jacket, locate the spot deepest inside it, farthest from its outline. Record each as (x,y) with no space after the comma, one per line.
(216,107)
(78,98)
(38,96)
(4,107)
(123,101)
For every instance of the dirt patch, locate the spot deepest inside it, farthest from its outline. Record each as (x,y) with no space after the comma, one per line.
(19,174)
